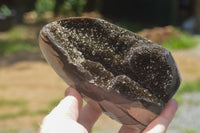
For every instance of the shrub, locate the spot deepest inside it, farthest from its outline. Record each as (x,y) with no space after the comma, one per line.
(42,6)
(66,7)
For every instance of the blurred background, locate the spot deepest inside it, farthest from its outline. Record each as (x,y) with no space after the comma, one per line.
(29,88)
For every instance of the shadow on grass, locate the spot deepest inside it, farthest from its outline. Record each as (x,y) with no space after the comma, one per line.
(12,51)
(11,46)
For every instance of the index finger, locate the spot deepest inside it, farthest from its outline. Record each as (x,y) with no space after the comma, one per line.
(69,107)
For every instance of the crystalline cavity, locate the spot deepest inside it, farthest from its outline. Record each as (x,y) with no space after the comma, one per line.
(114,67)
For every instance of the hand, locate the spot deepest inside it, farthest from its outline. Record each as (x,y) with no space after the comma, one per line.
(69,116)
(161,123)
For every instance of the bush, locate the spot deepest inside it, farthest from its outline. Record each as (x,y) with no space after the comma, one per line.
(66,7)
(73,6)
(4,10)
(42,6)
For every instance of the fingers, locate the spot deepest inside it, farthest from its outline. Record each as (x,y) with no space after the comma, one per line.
(160,124)
(64,116)
(89,116)
(125,129)
(69,107)
(61,126)
(72,103)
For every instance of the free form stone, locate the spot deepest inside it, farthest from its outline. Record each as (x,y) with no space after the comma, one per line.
(129,77)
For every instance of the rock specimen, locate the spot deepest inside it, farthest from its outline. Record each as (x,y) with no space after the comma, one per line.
(130,78)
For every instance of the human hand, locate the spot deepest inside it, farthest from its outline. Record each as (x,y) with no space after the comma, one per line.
(161,123)
(69,116)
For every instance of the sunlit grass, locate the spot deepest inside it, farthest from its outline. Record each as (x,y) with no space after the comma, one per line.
(187,87)
(23,112)
(189,131)
(17,39)
(9,47)
(183,40)
(16,102)
(23,109)
(8,115)
(17,32)
(9,131)
(53,103)
(193,86)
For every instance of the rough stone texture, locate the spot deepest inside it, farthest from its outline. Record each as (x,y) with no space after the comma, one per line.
(130,78)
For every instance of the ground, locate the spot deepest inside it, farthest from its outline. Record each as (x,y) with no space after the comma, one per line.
(29,88)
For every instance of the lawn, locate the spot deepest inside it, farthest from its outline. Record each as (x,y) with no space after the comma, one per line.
(19,38)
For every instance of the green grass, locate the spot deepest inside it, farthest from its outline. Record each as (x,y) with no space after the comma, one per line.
(17,39)
(21,112)
(189,131)
(54,103)
(10,47)
(9,130)
(16,102)
(183,40)
(187,87)
(24,111)
(193,86)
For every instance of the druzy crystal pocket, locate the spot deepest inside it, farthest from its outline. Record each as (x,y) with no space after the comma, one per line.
(129,77)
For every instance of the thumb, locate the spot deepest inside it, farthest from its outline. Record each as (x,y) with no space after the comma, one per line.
(69,107)
(64,116)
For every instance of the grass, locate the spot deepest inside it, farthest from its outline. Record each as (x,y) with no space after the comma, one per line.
(187,87)
(9,131)
(183,40)
(9,47)
(24,111)
(17,39)
(8,115)
(189,131)
(17,102)
(54,103)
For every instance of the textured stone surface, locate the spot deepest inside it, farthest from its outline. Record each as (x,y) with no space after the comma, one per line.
(130,78)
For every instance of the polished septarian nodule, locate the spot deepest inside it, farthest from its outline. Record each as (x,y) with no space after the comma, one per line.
(130,78)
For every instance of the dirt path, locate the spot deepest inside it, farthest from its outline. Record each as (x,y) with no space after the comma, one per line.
(37,86)
(187,116)
(33,83)
(188,62)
